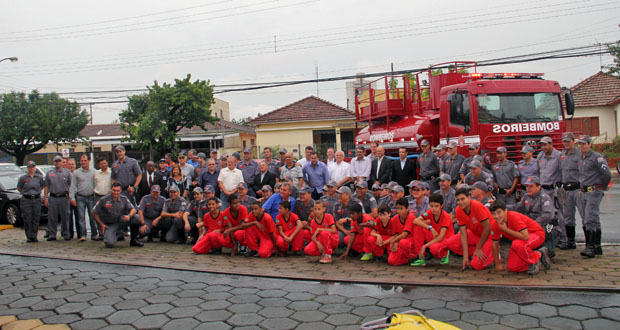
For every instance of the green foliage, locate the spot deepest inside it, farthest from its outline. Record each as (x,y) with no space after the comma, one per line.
(614,51)
(154,119)
(243,121)
(612,150)
(29,122)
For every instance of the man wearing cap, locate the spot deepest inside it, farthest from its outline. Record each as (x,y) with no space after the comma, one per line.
(201,165)
(290,169)
(403,169)
(550,179)
(506,175)
(594,178)
(303,209)
(114,213)
(477,174)
(429,165)
(528,166)
(126,171)
(442,154)
(396,192)
(150,209)
(245,199)
(194,213)
(172,217)
(272,205)
(267,191)
(365,198)
(316,174)
(282,153)
(213,155)
(263,177)
(339,170)
(474,148)
(380,168)
(342,217)
(161,169)
(418,201)
(182,227)
(452,164)
(30,186)
(150,177)
(208,192)
(330,197)
(272,164)
(186,169)
(229,180)
(537,205)
(480,192)
(57,182)
(249,168)
(447,192)
(569,194)
(360,166)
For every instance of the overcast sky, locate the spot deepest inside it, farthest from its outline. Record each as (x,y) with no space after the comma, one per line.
(68,46)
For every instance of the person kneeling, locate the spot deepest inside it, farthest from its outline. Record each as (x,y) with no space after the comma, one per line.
(361,225)
(210,228)
(526,235)
(433,227)
(114,213)
(289,226)
(260,232)
(323,235)
(391,233)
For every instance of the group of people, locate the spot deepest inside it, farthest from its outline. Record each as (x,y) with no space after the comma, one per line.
(408,209)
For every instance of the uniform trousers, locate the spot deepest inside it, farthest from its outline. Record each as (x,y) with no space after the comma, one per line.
(328,240)
(372,247)
(117,229)
(590,208)
(297,243)
(558,231)
(454,244)
(58,209)
(403,252)
(31,216)
(359,241)
(177,230)
(421,237)
(521,256)
(258,241)
(570,202)
(209,241)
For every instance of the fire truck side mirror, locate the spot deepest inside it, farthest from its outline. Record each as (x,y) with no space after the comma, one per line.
(456,106)
(570,104)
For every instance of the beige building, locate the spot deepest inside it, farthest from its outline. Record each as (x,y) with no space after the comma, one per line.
(308,122)
(597,107)
(221,109)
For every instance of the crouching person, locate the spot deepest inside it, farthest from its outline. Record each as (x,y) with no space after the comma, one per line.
(433,227)
(361,225)
(323,235)
(150,209)
(391,234)
(260,232)
(526,235)
(289,226)
(114,213)
(210,228)
(234,216)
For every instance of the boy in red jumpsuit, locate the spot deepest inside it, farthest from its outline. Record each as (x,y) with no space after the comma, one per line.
(260,232)
(210,228)
(324,236)
(433,226)
(289,226)
(234,215)
(361,224)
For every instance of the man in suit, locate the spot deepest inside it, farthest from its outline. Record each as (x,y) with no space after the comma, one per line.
(262,178)
(149,178)
(381,168)
(403,169)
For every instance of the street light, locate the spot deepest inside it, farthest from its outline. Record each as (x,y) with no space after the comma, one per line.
(12,59)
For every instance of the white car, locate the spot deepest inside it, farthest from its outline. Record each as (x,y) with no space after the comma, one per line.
(9,167)
(42,169)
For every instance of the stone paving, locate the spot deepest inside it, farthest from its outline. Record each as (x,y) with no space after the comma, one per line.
(569,270)
(106,296)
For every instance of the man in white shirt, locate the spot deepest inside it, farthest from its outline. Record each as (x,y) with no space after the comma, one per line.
(331,157)
(303,161)
(360,166)
(339,171)
(103,177)
(229,180)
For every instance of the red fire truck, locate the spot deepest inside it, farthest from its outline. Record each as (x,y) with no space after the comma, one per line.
(492,109)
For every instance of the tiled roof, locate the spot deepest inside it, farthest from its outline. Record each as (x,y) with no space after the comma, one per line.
(599,89)
(309,108)
(106,130)
(115,129)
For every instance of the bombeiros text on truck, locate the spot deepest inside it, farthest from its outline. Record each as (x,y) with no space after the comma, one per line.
(492,109)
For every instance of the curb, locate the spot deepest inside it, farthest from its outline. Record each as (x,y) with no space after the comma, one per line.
(5,227)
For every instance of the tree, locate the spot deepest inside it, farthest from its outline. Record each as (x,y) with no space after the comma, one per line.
(243,121)
(29,122)
(153,119)
(614,51)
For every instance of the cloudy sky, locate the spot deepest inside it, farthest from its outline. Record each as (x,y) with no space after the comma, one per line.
(76,45)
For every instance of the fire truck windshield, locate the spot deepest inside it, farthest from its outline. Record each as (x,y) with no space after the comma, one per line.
(516,108)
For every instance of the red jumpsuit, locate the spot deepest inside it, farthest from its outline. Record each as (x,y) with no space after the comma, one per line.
(235,221)
(211,239)
(422,236)
(260,240)
(327,239)
(473,222)
(401,256)
(521,255)
(288,227)
(360,235)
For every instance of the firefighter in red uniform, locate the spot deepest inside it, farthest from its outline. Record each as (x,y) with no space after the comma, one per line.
(361,224)
(432,227)
(234,215)
(289,227)
(324,236)
(211,229)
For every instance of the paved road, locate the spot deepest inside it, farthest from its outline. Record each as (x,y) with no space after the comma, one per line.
(93,296)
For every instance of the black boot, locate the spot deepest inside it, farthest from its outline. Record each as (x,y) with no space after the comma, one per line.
(589,250)
(134,236)
(570,239)
(598,250)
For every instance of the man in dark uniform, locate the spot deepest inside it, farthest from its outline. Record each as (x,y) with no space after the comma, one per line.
(342,217)
(150,210)
(114,213)
(569,193)
(126,171)
(476,173)
(594,178)
(57,183)
(364,197)
(249,168)
(304,204)
(453,163)
(330,197)
(244,197)
(30,186)
(528,166)
(448,193)
(474,148)
(194,213)
(506,174)
(172,217)
(550,178)
(428,165)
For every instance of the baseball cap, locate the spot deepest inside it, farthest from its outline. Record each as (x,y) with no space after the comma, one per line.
(546,139)
(331,183)
(480,185)
(526,148)
(441,147)
(267,187)
(376,185)
(361,184)
(209,188)
(386,186)
(162,160)
(236,155)
(398,188)
(415,184)
(452,144)
(243,185)
(214,151)
(57,158)
(201,155)
(474,146)
(156,187)
(463,186)
(173,188)
(475,163)
(344,190)
(424,142)
(119,147)
(197,190)
(305,189)
(31,163)
(277,185)
(501,149)
(224,157)
(247,151)
(425,185)
(182,153)
(283,150)
(568,136)
(532,180)
(584,139)
(445,177)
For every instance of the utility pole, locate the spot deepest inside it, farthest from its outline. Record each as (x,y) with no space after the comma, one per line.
(275,45)
(316,69)
(222,127)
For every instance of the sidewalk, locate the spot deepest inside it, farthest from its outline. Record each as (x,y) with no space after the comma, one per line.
(569,270)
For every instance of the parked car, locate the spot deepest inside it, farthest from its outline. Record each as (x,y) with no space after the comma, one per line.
(10,167)
(42,169)
(10,198)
